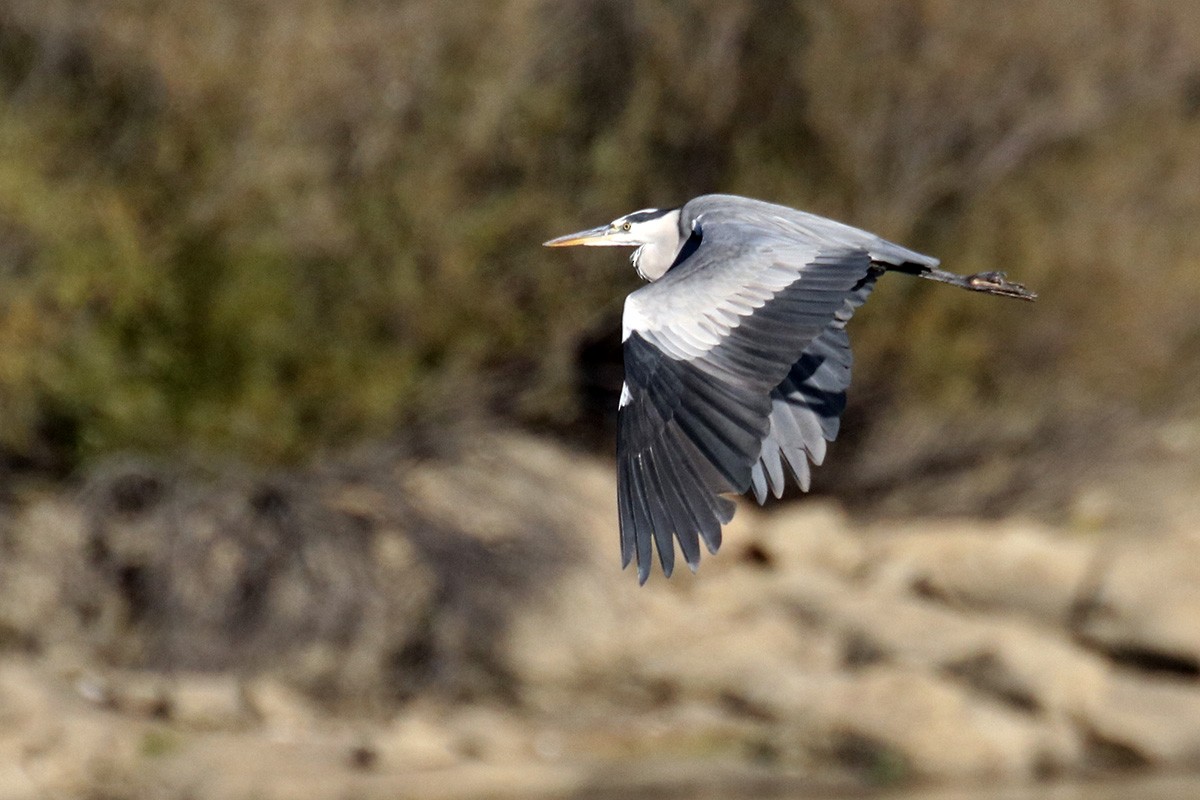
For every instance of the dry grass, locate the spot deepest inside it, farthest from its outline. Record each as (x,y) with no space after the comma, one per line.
(264,227)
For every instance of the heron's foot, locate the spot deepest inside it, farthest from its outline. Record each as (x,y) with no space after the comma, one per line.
(997,283)
(986,282)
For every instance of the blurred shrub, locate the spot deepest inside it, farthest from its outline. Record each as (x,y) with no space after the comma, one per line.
(266,226)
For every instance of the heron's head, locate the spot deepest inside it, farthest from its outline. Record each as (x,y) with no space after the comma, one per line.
(648,226)
(653,231)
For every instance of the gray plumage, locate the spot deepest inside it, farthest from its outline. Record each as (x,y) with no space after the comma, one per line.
(737,359)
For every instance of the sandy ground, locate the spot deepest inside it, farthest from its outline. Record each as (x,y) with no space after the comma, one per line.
(440,629)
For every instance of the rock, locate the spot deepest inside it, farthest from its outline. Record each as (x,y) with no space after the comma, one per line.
(1020,664)
(586,617)
(1034,670)
(487,491)
(209,702)
(809,536)
(896,723)
(720,660)
(1141,721)
(1012,568)
(684,638)
(58,744)
(137,694)
(1146,604)
(414,742)
(86,757)
(1094,509)
(491,735)
(24,706)
(23,697)
(277,707)
(42,549)
(198,701)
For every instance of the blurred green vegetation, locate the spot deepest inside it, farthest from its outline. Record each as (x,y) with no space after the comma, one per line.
(267,227)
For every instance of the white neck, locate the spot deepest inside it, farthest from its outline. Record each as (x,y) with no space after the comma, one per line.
(654,259)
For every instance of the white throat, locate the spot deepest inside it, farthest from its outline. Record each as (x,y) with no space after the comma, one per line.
(653,259)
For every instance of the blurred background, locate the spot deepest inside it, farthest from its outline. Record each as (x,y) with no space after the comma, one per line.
(304,439)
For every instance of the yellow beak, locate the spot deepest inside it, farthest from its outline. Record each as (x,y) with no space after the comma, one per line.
(596,237)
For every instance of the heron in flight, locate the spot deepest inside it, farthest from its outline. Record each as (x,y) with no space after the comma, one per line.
(736,357)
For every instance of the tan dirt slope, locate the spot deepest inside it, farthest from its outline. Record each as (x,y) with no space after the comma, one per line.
(459,627)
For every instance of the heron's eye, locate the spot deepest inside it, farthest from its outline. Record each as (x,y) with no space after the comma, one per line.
(627,226)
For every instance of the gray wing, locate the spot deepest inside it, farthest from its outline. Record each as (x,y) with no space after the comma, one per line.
(705,347)
(807,405)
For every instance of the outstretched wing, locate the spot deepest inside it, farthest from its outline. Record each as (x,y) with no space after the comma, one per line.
(806,407)
(706,345)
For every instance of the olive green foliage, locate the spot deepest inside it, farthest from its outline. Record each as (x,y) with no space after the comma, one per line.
(263,227)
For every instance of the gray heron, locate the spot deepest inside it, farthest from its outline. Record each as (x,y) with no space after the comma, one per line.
(736,357)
